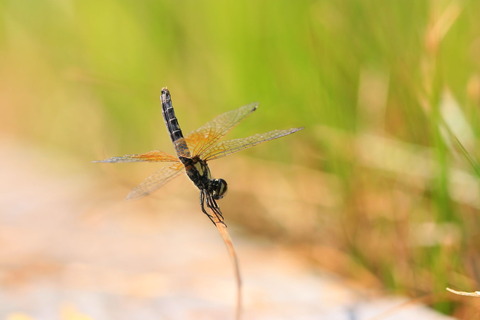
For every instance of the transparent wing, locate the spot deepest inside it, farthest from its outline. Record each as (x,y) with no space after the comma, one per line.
(152,156)
(207,135)
(230,146)
(155,181)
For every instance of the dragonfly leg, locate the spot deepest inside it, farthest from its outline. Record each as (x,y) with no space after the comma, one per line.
(202,204)
(212,204)
(205,197)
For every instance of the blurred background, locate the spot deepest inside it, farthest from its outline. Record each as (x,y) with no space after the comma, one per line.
(382,185)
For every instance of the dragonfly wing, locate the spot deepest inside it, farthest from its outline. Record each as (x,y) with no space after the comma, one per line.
(152,156)
(230,146)
(155,181)
(207,135)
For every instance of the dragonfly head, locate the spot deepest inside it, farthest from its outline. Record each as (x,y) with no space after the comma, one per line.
(218,188)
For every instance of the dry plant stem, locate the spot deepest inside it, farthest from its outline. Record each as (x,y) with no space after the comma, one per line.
(465,293)
(222,229)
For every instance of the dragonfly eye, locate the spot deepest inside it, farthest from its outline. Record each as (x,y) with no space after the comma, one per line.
(218,187)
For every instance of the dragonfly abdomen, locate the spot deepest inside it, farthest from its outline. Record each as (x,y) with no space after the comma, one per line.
(172,124)
(169,116)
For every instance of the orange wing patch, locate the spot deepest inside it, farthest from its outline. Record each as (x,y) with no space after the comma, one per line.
(152,156)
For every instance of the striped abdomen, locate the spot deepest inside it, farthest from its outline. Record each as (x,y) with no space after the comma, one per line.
(169,116)
(172,124)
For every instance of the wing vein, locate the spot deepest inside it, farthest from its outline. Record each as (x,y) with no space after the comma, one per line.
(225,148)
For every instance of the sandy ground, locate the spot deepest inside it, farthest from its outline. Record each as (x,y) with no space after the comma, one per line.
(72,248)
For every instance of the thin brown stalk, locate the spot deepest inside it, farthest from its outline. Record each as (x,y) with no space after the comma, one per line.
(222,229)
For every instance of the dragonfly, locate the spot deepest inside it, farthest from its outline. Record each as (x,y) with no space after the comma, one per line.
(194,151)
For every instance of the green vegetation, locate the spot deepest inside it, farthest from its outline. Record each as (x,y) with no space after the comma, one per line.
(389,93)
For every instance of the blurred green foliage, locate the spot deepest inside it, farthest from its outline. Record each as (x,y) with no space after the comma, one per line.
(85,76)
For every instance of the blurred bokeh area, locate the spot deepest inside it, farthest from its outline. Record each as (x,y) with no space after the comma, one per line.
(381,188)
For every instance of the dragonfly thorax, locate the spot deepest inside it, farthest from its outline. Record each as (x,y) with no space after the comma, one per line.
(198,171)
